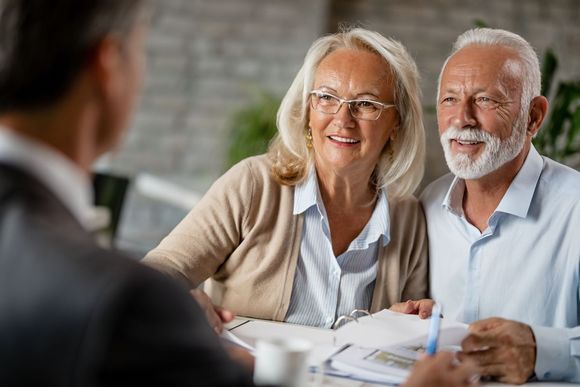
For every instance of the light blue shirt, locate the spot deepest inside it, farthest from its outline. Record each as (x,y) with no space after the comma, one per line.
(524,266)
(327,287)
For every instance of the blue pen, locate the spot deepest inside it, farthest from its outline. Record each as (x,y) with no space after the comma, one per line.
(433,335)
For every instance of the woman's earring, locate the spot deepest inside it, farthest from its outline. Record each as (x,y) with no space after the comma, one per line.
(308,136)
(391,154)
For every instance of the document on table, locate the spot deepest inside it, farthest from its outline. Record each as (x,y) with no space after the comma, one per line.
(230,338)
(380,348)
(250,331)
(383,348)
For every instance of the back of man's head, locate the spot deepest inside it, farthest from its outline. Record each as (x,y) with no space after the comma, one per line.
(44,45)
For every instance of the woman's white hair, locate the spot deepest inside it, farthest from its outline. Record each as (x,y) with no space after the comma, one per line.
(399,174)
(531,77)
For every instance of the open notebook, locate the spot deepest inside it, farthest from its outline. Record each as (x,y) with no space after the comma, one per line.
(379,348)
(383,347)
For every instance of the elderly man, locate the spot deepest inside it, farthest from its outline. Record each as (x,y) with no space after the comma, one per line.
(503,227)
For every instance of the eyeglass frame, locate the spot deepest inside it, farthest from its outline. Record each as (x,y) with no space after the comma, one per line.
(384,106)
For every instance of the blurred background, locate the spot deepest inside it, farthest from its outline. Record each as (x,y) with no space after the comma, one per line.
(217,70)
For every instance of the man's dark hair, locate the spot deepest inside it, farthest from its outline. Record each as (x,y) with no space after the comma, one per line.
(45,43)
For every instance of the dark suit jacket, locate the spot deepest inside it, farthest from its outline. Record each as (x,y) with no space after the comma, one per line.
(73,314)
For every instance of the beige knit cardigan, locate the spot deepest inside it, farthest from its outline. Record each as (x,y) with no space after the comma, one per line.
(244,238)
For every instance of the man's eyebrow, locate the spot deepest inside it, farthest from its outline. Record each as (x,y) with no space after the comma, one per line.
(449,89)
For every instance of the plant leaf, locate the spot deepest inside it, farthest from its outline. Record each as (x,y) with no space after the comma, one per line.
(549,66)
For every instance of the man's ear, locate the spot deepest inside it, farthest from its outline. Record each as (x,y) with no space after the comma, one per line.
(105,66)
(537,114)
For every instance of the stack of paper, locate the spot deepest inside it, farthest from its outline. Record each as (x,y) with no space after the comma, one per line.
(380,348)
(383,348)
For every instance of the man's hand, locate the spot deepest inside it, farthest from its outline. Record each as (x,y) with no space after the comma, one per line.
(422,307)
(215,315)
(501,348)
(442,370)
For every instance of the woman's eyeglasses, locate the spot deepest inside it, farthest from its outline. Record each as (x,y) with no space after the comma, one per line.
(362,109)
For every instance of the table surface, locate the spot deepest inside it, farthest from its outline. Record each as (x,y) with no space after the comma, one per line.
(320,380)
(317,380)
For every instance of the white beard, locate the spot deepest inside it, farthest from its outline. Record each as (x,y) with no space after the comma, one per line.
(495,154)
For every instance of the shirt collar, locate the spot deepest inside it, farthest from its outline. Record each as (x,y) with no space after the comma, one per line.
(517,199)
(307,194)
(453,200)
(378,225)
(62,177)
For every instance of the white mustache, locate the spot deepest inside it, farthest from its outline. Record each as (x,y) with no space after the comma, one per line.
(476,134)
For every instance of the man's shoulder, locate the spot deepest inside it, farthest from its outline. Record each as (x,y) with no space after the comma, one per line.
(560,178)
(435,192)
(46,251)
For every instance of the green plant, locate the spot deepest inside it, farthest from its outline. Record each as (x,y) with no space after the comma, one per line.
(559,137)
(253,127)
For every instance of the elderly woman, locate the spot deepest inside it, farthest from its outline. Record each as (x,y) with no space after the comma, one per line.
(326,221)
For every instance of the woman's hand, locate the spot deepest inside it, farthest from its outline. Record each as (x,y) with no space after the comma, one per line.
(442,370)
(422,307)
(215,315)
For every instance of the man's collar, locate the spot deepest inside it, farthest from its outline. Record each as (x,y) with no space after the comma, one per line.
(453,200)
(517,199)
(62,177)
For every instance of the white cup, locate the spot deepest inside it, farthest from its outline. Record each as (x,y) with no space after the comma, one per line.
(282,362)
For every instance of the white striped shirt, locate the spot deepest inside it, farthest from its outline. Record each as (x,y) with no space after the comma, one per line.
(325,286)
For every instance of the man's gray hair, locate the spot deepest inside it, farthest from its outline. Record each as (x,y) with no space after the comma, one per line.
(531,76)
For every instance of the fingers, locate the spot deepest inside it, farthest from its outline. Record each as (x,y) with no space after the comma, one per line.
(498,333)
(467,374)
(208,308)
(425,308)
(502,348)
(407,307)
(422,307)
(483,334)
(442,370)
(478,342)
(486,325)
(443,358)
(481,358)
(410,307)
(500,373)
(224,314)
